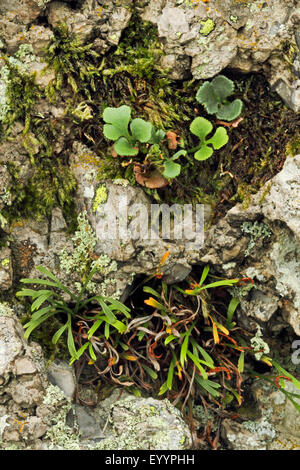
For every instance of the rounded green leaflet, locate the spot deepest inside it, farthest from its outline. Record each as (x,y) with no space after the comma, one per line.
(124,148)
(111,132)
(141,130)
(223,87)
(203,153)
(117,120)
(171,169)
(206,95)
(219,139)
(231,111)
(201,127)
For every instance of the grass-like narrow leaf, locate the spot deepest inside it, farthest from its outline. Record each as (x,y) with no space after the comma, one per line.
(94,328)
(58,333)
(49,274)
(196,361)
(32,325)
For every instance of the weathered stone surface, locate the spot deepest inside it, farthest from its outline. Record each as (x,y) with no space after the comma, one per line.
(143,424)
(5,268)
(272,257)
(103,22)
(244,36)
(62,375)
(22,11)
(278,426)
(22,384)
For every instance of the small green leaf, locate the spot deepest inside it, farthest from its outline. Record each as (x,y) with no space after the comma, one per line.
(79,353)
(163,389)
(171,169)
(151,372)
(183,350)
(170,374)
(196,361)
(230,311)
(241,362)
(118,120)
(106,310)
(201,127)
(58,333)
(156,136)
(94,328)
(204,274)
(203,153)
(91,353)
(141,130)
(223,87)
(70,340)
(206,95)
(229,112)
(124,148)
(40,300)
(27,293)
(178,154)
(40,313)
(208,385)
(169,339)
(149,290)
(32,325)
(219,139)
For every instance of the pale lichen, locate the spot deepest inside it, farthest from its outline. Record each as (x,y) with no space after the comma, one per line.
(259,345)
(5,310)
(207,27)
(60,435)
(100,197)
(256,230)
(84,242)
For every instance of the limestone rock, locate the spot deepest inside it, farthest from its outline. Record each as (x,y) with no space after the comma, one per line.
(272,256)
(144,424)
(278,426)
(246,37)
(5,268)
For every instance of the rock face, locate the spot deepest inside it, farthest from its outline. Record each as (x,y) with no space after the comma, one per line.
(203,39)
(278,427)
(139,424)
(22,385)
(262,242)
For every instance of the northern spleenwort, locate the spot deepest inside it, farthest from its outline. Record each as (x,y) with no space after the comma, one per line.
(179,343)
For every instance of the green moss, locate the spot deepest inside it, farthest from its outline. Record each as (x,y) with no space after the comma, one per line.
(75,65)
(293,146)
(5,262)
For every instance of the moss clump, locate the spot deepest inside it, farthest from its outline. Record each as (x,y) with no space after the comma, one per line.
(75,64)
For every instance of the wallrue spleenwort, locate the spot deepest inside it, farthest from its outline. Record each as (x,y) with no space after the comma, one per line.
(151,459)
